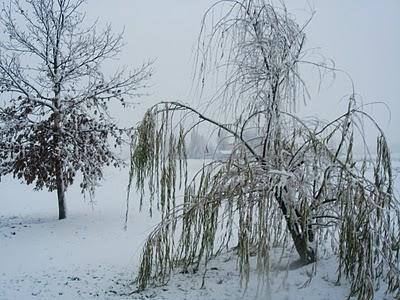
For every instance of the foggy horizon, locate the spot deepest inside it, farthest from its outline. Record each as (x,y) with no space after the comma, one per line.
(361,38)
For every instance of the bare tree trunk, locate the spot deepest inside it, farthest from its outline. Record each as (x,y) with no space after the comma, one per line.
(59,166)
(57,138)
(60,190)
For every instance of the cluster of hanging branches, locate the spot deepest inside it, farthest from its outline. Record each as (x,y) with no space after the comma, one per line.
(291,183)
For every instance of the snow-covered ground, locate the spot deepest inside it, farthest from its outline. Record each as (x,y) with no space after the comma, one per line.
(89,255)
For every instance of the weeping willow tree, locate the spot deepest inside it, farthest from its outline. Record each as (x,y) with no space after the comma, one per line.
(292,183)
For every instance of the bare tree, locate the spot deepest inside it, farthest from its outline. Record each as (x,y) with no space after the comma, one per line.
(292,183)
(55,117)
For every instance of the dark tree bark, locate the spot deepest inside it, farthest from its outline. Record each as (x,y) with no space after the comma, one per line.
(60,192)
(299,231)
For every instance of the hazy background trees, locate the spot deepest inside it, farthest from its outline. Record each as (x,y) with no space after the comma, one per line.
(198,146)
(55,118)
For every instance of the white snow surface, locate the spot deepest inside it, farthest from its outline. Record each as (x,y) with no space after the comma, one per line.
(89,255)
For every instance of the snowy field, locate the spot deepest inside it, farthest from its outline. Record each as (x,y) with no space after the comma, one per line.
(89,255)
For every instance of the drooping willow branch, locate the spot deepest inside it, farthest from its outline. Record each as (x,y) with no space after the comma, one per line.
(227,189)
(286,182)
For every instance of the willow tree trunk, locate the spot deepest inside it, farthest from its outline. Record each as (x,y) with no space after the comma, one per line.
(299,230)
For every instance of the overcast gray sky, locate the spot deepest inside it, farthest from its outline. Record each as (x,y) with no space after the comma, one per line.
(361,36)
